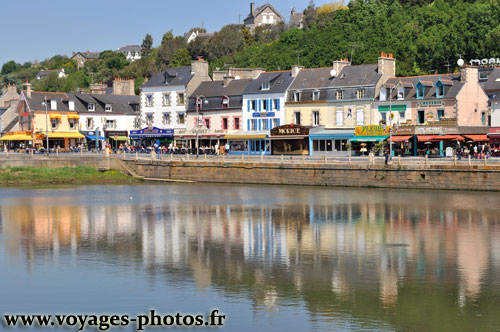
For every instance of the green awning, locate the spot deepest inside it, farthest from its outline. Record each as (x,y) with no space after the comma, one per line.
(119,138)
(368,138)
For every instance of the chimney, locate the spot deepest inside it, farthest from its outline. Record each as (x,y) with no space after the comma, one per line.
(252,8)
(74,53)
(146,79)
(199,67)
(296,69)
(218,75)
(27,89)
(340,64)
(468,73)
(11,90)
(386,65)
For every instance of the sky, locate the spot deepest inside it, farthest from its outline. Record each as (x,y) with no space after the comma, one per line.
(37,30)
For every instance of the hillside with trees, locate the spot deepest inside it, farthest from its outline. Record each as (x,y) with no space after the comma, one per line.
(423,35)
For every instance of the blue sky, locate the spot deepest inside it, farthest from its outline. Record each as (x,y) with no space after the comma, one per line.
(36,30)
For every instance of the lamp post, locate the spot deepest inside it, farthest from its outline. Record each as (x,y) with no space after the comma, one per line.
(198,107)
(46,123)
(391,89)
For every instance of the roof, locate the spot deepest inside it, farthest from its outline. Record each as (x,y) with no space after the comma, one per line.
(296,18)
(170,77)
(312,79)
(493,82)
(260,9)
(278,83)
(214,91)
(451,82)
(88,55)
(43,73)
(358,75)
(130,48)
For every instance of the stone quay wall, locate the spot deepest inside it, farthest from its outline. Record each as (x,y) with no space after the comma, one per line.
(444,177)
(52,161)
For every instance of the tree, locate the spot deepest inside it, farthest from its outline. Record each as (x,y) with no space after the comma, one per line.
(147,44)
(167,37)
(226,41)
(9,67)
(310,15)
(200,30)
(167,50)
(181,58)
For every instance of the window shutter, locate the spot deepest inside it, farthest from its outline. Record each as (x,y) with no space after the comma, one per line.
(278,118)
(260,124)
(248,124)
(269,104)
(248,105)
(260,105)
(278,104)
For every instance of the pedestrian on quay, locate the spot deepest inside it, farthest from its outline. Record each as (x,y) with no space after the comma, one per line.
(386,155)
(459,151)
(475,151)
(227,148)
(217,149)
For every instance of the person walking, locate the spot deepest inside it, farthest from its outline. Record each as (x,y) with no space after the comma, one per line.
(217,149)
(386,155)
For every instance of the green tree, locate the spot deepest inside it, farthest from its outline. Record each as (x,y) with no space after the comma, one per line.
(180,58)
(147,44)
(167,50)
(167,37)
(9,67)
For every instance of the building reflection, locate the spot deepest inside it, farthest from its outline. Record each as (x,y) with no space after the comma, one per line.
(326,253)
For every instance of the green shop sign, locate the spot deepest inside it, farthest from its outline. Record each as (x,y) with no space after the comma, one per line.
(394,108)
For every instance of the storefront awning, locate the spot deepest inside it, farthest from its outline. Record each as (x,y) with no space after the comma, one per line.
(16,138)
(65,135)
(120,138)
(247,135)
(92,138)
(426,138)
(55,116)
(448,138)
(369,138)
(477,138)
(397,139)
(73,116)
(289,137)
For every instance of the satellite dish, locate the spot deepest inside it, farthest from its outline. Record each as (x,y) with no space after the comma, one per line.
(333,72)
(460,62)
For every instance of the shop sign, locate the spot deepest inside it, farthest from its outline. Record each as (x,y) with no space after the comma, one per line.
(394,108)
(435,130)
(371,131)
(262,114)
(404,131)
(430,103)
(151,132)
(289,130)
(485,62)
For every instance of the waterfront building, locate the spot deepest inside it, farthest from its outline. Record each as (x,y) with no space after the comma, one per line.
(264,107)
(490,82)
(215,111)
(433,112)
(163,104)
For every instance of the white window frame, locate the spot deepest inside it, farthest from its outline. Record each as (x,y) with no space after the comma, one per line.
(315,115)
(340,117)
(179,96)
(71,105)
(401,93)
(383,94)
(108,108)
(360,117)
(91,107)
(181,118)
(53,105)
(296,96)
(112,122)
(149,100)
(315,95)
(265,86)
(166,99)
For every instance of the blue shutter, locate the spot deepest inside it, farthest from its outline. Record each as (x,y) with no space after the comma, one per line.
(260,105)
(260,125)
(269,104)
(248,124)
(270,123)
(278,104)
(248,102)
(278,118)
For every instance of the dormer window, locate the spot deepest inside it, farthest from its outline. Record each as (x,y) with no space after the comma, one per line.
(420,90)
(108,108)
(91,107)
(53,105)
(360,94)
(296,96)
(71,105)
(265,86)
(340,95)
(401,93)
(316,95)
(439,90)
(383,94)
(225,102)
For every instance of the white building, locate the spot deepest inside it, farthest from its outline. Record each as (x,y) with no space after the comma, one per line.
(131,52)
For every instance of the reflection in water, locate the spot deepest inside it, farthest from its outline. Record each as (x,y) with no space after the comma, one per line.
(366,256)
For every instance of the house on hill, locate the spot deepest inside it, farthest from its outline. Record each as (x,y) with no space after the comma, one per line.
(82,57)
(131,52)
(265,14)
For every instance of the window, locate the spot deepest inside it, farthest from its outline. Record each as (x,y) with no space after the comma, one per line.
(207,123)
(149,119)
(108,108)
(224,123)
(383,116)
(340,118)
(265,86)
(166,99)
(420,90)
(360,94)
(71,105)
(71,124)
(91,107)
(264,18)
(296,96)
(360,117)
(340,95)
(182,118)
(275,122)
(439,90)
(110,124)
(383,94)
(266,104)
(421,116)
(265,124)
(53,123)
(180,99)
(53,105)
(271,18)
(315,95)
(253,105)
(149,100)
(483,118)
(297,118)
(322,145)
(401,93)
(166,118)
(402,116)
(225,102)
(253,124)
(236,123)
(90,123)
(440,114)
(315,118)
(276,104)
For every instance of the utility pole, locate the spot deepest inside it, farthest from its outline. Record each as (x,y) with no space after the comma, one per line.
(353,46)
(447,64)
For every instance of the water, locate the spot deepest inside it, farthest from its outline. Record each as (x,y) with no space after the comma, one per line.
(271,258)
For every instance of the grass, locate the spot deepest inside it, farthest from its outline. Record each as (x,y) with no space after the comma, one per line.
(62,175)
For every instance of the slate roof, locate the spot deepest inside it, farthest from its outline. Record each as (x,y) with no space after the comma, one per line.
(130,48)
(316,78)
(215,91)
(451,82)
(278,83)
(260,9)
(358,75)
(170,77)
(493,82)
(88,55)
(44,73)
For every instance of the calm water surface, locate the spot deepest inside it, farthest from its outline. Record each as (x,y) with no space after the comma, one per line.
(272,258)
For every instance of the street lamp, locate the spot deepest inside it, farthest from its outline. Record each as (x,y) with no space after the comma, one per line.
(391,89)
(46,123)
(198,107)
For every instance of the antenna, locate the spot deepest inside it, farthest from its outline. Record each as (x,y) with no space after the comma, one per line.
(352,46)
(447,64)
(298,56)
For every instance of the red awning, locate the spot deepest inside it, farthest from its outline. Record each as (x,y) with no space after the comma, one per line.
(398,139)
(494,131)
(477,138)
(425,138)
(448,138)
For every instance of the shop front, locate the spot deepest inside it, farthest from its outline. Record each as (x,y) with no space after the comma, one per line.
(93,139)
(494,139)
(249,143)
(290,140)
(369,138)
(18,140)
(63,140)
(329,142)
(148,137)
(116,137)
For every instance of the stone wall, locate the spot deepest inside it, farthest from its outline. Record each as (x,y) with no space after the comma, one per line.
(417,177)
(99,162)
